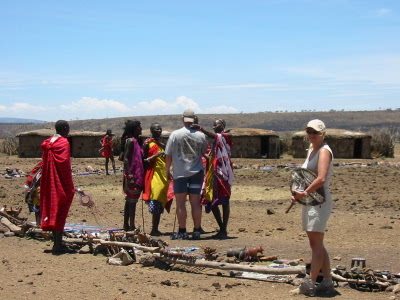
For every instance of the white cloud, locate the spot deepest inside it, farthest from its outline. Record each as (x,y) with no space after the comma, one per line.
(184,102)
(383,11)
(88,104)
(163,107)
(156,104)
(90,107)
(24,108)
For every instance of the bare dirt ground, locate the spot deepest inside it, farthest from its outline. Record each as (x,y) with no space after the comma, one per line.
(365,223)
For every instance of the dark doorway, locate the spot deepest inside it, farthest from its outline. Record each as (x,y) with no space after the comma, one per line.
(265,147)
(358,148)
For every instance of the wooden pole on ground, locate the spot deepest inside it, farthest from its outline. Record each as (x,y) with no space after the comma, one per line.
(233,267)
(13,228)
(358,281)
(110,243)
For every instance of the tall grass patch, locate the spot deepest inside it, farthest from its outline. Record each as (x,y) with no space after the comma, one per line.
(383,141)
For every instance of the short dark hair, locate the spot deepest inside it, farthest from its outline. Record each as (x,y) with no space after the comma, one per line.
(154,124)
(61,125)
(131,126)
(222,122)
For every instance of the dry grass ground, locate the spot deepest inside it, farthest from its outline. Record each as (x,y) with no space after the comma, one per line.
(365,223)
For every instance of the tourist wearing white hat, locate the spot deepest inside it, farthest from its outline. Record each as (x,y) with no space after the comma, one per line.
(314,218)
(184,151)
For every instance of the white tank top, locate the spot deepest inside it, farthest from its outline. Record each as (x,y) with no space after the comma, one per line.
(312,164)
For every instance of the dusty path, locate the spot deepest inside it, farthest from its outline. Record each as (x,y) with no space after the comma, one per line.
(365,223)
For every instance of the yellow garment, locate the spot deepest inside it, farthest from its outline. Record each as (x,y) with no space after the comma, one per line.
(36,197)
(159,182)
(209,182)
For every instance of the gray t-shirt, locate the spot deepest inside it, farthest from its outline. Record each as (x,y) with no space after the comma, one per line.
(186,146)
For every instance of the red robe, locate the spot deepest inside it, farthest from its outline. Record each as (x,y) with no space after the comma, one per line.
(108,144)
(56,185)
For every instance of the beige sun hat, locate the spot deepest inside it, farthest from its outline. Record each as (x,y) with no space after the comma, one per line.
(317,125)
(188,115)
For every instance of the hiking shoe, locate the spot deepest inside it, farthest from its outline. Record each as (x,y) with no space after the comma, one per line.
(326,286)
(307,287)
(196,235)
(180,236)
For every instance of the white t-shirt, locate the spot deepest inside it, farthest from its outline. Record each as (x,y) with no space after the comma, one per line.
(186,146)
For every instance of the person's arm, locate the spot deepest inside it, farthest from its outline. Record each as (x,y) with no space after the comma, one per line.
(324,160)
(201,128)
(168,162)
(150,158)
(147,159)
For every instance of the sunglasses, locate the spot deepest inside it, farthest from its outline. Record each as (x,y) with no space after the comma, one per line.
(312,132)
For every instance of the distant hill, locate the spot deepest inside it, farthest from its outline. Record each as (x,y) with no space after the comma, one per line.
(277,121)
(19,120)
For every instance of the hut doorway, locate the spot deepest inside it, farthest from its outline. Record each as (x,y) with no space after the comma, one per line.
(358,148)
(265,147)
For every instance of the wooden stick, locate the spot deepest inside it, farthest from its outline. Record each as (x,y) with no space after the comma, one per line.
(289,207)
(6,222)
(110,243)
(9,217)
(358,281)
(233,267)
(132,245)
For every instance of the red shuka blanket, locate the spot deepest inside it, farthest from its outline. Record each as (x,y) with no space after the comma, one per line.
(108,144)
(56,185)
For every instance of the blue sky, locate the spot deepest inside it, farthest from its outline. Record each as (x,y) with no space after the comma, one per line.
(97,59)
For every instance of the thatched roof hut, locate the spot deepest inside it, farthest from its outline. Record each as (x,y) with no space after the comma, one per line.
(344,144)
(254,143)
(83,143)
(247,142)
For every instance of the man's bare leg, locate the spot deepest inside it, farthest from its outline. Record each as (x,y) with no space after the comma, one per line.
(106,165)
(181,210)
(196,210)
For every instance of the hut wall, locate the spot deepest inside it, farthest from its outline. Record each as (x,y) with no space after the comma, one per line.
(246,147)
(341,148)
(85,146)
(274,147)
(366,147)
(252,146)
(299,147)
(29,146)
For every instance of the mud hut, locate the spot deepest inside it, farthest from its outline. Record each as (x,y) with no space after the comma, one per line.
(83,143)
(247,142)
(255,143)
(344,144)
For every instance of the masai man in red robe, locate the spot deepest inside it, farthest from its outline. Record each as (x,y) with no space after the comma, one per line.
(56,185)
(107,149)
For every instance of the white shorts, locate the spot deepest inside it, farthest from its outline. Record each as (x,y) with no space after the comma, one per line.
(315,218)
